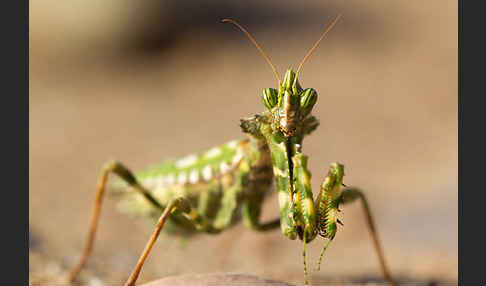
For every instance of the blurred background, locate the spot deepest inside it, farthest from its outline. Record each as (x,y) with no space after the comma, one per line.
(143,81)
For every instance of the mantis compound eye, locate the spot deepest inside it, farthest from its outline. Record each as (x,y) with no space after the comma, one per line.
(270,97)
(308,99)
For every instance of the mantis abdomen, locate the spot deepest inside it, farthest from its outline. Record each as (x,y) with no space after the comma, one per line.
(217,183)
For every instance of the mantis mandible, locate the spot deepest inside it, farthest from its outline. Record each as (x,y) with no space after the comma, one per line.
(204,192)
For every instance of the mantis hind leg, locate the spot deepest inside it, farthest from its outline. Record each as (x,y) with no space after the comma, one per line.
(176,205)
(127,176)
(350,194)
(180,208)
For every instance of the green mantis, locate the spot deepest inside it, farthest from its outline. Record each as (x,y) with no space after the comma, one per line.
(204,192)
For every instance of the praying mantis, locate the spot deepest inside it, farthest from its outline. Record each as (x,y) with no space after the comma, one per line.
(206,192)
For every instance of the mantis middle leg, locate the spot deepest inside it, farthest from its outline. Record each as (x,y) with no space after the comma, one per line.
(350,194)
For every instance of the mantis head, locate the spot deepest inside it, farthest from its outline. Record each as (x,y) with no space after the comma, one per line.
(290,104)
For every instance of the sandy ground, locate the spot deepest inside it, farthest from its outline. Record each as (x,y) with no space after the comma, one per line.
(387,83)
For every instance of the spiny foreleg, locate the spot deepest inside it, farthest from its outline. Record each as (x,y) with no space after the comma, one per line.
(305,215)
(327,204)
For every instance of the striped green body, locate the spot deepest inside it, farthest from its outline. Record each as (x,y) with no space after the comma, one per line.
(234,178)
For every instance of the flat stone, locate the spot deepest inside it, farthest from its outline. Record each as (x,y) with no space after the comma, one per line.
(216,279)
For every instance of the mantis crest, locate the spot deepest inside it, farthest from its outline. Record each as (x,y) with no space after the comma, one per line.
(204,192)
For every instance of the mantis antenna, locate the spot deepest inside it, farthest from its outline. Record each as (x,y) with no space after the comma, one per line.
(315,46)
(256,45)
